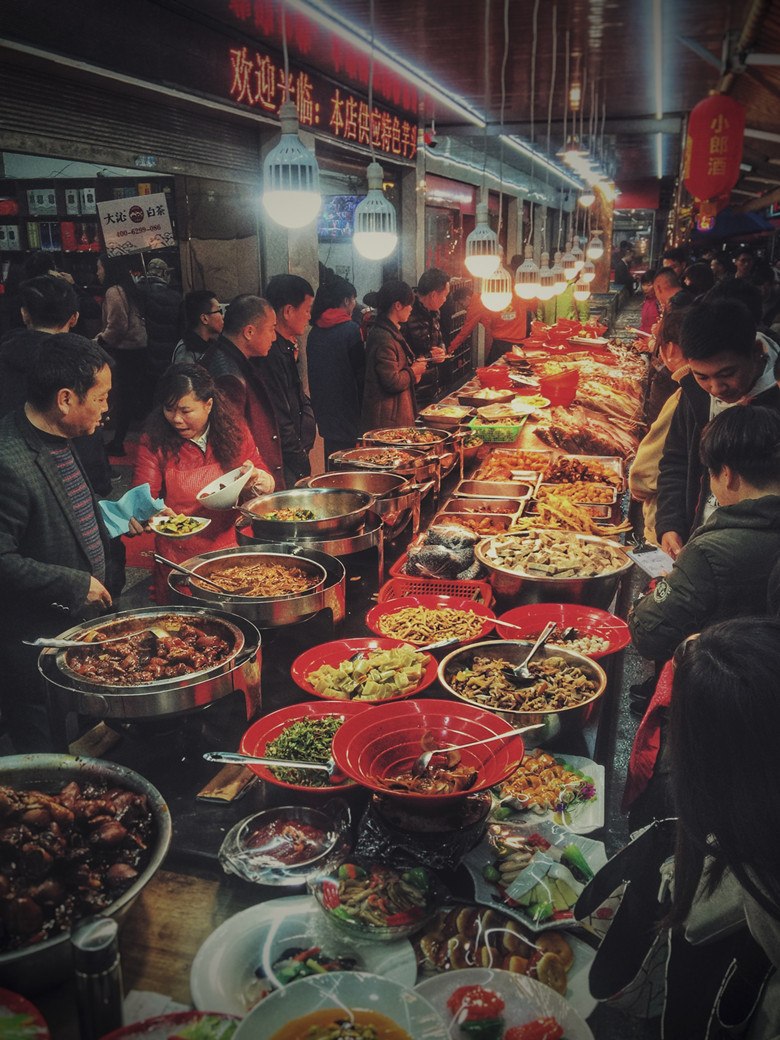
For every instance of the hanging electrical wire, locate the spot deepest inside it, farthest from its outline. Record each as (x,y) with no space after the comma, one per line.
(497,287)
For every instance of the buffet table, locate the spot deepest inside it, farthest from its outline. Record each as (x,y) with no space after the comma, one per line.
(186,901)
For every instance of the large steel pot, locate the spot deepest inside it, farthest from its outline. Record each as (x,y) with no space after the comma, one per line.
(337,512)
(554,723)
(263,611)
(419,466)
(69,691)
(34,968)
(396,499)
(419,437)
(333,594)
(593,591)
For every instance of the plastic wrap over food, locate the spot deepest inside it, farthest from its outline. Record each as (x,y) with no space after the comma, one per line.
(436,561)
(451,536)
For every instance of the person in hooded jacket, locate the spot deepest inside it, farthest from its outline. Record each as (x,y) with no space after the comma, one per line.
(336,361)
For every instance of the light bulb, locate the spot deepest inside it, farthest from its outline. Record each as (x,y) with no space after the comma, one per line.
(568,263)
(527,277)
(291,176)
(559,275)
(374,224)
(581,290)
(483,251)
(497,290)
(587,198)
(546,279)
(579,257)
(595,249)
(588,272)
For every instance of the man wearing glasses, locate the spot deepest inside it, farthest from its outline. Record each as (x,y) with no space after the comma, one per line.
(203,318)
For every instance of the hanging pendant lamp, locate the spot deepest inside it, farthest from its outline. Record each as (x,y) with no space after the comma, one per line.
(595,249)
(291,176)
(581,291)
(527,277)
(483,252)
(497,290)
(560,277)
(568,263)
(588,272)
(546,279)
(579,256)
(374,225)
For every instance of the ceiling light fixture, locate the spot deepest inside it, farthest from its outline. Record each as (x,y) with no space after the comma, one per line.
(374,233)
(595,249)
(581,291)
(496,292)
(588,272)
(483,251)
(587,198)
(291,177)
(527,276)
(561,283)
(546,279)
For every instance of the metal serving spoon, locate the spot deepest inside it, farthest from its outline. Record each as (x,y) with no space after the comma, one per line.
(61,644)
(238,758)
(521,673)
(422,761)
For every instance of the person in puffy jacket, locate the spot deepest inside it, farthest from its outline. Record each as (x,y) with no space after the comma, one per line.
(162,309)
(392,370)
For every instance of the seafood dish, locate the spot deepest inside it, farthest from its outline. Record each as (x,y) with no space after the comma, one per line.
(67,856)
(145,657)
(435,779)
(556,685)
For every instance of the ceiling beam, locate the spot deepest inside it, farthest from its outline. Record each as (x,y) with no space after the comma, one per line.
(669,124)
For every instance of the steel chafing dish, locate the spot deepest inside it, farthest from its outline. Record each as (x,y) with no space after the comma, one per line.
(395,499)
(420,437)
(70,691)
(337,512)
(263,611)
(412,463)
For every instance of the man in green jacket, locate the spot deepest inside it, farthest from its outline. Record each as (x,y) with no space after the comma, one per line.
(723,570)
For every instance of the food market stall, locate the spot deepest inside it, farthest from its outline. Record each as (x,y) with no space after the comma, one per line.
(196,912)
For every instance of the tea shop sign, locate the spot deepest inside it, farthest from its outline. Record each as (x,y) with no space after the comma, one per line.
(257,81)
(135,225)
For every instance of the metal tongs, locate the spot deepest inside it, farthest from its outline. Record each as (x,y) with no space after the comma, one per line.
(419,649)
(521,674)
(239,758)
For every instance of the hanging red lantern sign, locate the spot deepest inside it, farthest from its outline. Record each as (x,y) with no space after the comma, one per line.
(713,146)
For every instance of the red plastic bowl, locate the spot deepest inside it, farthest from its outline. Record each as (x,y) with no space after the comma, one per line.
(339,650)
(495,377)
(392,606)
(560,389)
(387,740)
(590,621)
(262,732)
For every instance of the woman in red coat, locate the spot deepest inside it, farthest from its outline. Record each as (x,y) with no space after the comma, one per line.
(192,437)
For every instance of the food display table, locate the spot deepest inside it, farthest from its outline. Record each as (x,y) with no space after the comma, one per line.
(192,895)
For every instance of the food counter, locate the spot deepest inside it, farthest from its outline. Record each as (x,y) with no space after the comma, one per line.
(192,895)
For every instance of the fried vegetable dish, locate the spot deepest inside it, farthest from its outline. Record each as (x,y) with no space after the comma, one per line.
(288,515)
(377,896)
(305,740)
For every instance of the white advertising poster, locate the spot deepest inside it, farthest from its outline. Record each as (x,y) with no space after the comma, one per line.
(136,225)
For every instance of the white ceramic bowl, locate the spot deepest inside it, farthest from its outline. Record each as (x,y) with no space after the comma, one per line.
(341,991)
(223,492)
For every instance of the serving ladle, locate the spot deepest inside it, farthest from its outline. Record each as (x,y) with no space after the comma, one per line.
(422,761)
(44,642)
(199,577)
(239,758)
(521,673)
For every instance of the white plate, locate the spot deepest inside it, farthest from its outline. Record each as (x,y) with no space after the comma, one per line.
(156,523)
(488,894)
(224,966)
(343,990)
(223,492)
(524,999)
(582,817)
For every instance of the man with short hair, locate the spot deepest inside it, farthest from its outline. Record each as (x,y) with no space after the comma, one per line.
(729,366)
(666,284)
(54,548)
(744,262)
(49,305)
(203,323)
(675,258)
(423,329)
(247,333)
(291,297)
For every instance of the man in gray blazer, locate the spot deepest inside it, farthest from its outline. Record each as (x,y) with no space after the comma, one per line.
(54,557)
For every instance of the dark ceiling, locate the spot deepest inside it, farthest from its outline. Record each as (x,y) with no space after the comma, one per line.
(522,45)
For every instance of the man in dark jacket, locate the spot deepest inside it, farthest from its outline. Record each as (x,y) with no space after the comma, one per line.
(291,297)
(729,366)
(162,314)
(423,329)
(247,333)
(54,548)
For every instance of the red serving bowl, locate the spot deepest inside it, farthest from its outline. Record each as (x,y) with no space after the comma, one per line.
(591,621)
(381,610)
(495,377)
(339,650)
(386,740)
(262,732)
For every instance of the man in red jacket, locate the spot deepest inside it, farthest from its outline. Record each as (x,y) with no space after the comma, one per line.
(249,330)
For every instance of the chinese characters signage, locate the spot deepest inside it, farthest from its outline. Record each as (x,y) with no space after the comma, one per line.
(713,147)
(257,81)
(135,225)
